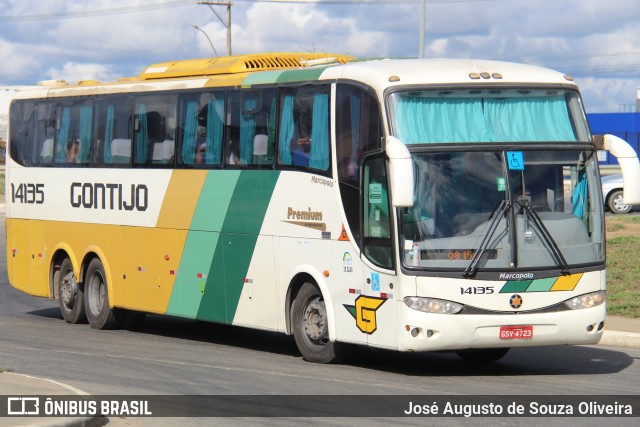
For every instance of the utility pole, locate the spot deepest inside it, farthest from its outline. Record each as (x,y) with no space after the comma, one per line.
(226,24)
(423,17)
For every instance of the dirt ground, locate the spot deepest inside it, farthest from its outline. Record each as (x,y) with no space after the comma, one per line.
(622,225)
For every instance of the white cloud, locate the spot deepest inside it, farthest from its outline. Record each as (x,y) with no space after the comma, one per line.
(16,61)
(594,40)
(608,95)
(73,72)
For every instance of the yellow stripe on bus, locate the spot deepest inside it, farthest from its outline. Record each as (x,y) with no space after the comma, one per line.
(567,283)
(181,199)
(226,81)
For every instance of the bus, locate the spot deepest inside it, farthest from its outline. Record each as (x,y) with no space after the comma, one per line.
(407,204)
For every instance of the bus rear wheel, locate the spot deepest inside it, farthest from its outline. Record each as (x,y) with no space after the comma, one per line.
(70,294)
(96,298)
(310,326)
(483,355)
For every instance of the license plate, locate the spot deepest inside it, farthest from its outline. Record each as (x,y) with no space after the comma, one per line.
(516,332)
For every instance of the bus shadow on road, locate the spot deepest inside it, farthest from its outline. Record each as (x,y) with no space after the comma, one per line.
(50,313)
(554,360)
(217,334)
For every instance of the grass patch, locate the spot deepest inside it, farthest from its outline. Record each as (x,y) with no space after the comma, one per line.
(623,266)
(615,227)
(2,183)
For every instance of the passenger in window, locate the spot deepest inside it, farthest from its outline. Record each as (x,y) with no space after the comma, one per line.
(346,164)
(73,151)
(201,146)
(201,153)
(234,153)
(301,141)
(300,151)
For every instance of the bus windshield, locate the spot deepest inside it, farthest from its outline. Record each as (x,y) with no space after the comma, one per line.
(491,115)
(498,209)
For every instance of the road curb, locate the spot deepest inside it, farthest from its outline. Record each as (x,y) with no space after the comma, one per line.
(620,339)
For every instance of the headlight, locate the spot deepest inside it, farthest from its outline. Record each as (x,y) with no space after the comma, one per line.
(587,300)
(432,305)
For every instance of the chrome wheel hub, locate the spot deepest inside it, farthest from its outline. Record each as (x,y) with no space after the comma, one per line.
(315,322)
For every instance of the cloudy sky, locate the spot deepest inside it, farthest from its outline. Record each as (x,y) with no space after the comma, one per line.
(596,41)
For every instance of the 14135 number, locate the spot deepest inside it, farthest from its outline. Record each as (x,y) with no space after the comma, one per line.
(27,193)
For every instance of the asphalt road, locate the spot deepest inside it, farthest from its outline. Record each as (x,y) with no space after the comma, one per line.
(174,356)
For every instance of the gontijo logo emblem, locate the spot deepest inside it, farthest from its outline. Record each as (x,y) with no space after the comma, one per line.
(364,311)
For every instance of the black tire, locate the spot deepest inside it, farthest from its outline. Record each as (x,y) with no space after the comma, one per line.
(96,299)
(484,355)
(70,294)
(310,326)
(614,202)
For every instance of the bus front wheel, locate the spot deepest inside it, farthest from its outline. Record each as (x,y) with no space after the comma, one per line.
(70,294)
(96,298)
(310,326)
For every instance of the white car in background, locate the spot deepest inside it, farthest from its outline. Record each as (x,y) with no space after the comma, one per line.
(612,191)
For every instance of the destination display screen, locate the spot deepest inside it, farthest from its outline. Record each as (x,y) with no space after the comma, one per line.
(455,254)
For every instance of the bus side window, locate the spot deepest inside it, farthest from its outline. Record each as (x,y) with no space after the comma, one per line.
(114,131)
(20,136)
(358,130)
(377,226)
(44,132)
(250,141)
(73,135)
(249,108)
(201,128)
(304,128)
(264,140)
(154,130)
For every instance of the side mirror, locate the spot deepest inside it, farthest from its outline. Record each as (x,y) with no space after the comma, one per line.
(629,165)
(400,173)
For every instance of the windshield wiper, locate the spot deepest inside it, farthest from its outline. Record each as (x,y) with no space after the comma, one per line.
(500,211)
(561,262)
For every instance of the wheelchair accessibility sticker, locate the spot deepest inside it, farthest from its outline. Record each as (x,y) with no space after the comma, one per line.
(515,160)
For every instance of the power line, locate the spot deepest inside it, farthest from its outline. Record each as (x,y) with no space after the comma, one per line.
(97,12)
(363,2)
(178,3)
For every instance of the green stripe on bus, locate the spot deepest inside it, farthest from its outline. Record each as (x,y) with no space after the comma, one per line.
(515,286)
(542,285)
(267,77)
(250,201)
(301,75)
(214,200)
(200,247)
(193,273)
(236,245)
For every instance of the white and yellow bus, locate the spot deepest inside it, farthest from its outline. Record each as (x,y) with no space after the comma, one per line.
(414,205)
